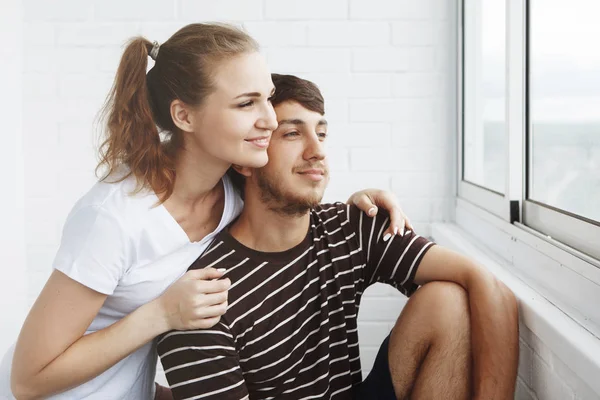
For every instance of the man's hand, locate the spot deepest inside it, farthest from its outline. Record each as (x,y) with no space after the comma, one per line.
(369,200)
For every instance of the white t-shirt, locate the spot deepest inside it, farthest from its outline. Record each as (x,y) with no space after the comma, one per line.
(124,246)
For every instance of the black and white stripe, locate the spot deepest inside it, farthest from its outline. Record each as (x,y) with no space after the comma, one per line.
(290,330)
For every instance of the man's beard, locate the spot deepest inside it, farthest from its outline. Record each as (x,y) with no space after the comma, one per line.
(281,202)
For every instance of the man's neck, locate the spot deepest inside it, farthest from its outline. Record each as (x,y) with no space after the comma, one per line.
(261,228)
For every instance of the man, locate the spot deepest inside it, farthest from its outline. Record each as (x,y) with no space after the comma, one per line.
(298,270)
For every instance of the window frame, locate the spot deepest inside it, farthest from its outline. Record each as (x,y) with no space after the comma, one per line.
(577,235)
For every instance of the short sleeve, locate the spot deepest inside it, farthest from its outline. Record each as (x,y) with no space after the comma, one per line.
(394,261)
(202,363)
(94,249)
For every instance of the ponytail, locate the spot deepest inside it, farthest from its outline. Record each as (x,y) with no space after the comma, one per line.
(131,136)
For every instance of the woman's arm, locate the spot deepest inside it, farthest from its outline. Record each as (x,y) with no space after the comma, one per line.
(52,355)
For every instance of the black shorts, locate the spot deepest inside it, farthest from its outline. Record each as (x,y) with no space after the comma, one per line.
(378,385)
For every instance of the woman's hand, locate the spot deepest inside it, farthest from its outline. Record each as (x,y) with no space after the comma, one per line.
(369,200)
(196,301)
(162,393)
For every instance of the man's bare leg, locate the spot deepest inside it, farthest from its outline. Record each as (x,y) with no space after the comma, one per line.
(430,345)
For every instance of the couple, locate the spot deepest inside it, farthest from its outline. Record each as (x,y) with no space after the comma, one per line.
(120,280)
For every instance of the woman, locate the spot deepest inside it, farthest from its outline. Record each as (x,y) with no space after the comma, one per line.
(119,278)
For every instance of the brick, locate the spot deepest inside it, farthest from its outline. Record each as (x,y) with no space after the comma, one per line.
(372,333)
(301,60)
(224,10)
(546,384)
(75,110)
(387,59)
(84,159)
(159,31)
(379,309)
(379,289)
(424,133)
(367,358)
(408,110)
(416,33)
(95,35)
(370,86)
(360,135)
(525,363)
(74,184)
(421,59)
(388,159)
(77,134)
(39,34)
(59,10)
(422,184)
(278,33)
(41,132)
(353,34)
(337,111)
(40,171)
(39,258)
(344,183)
(351,85)
(85,86)
(41,224)
(134,10)
(391,9)
(40,59)
(417,84)
(426,209)
(107,59)
(307,9)
(77,59)
(39,86)
(338,159)
(377,9)
(582,390)
(522,392)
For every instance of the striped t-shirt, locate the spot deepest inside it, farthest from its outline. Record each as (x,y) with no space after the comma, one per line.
(290,330)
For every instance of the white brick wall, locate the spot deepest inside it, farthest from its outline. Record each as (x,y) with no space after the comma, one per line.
(543,376)
(386,68)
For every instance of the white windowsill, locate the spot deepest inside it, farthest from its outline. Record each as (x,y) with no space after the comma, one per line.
(576,346)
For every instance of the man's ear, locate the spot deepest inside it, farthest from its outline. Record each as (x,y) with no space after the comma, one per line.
(245,171)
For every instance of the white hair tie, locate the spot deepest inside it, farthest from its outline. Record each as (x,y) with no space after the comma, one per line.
(154,52)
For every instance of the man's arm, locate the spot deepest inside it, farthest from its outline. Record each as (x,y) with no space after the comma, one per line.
(494,320)
(203,363)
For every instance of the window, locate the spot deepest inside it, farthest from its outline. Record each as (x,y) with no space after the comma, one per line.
(484,139)
(530,120)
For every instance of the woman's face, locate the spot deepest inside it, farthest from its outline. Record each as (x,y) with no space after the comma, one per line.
(235,122)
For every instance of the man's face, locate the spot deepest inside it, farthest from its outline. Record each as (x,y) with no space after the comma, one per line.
(297,173)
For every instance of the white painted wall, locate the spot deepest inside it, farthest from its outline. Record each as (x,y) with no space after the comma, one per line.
(385,68)
(13,291)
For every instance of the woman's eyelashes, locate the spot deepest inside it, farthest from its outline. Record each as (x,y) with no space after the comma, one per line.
(250,103)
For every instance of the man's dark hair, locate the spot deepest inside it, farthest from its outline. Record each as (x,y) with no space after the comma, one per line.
(292,88)
(287,88)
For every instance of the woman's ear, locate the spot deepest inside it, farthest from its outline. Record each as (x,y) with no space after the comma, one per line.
(245,171)
(181,116)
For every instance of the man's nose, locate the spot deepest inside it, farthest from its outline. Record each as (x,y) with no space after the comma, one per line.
(315,149)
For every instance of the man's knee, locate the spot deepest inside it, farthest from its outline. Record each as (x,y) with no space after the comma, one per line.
(442,306)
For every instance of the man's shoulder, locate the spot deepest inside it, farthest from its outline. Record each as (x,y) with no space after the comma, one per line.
(338,211)
(327,211)
(219,253)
